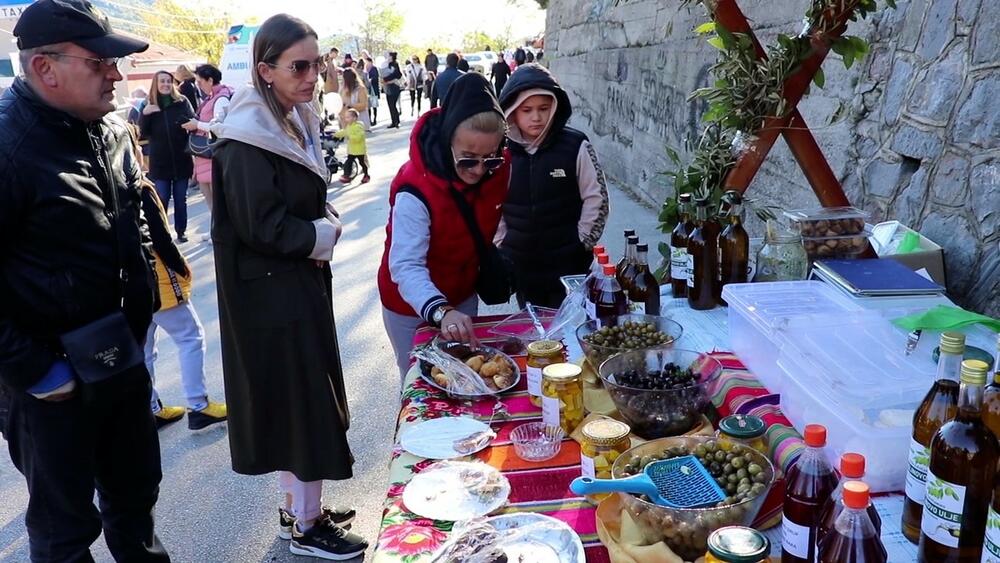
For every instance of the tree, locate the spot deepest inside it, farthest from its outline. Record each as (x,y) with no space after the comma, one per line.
(478,41)
(198,30)
(381,27)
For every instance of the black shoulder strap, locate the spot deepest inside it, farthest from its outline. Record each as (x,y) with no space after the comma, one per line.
(470,220)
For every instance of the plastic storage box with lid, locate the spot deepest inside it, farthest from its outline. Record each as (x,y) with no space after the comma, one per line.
(762,315)
(828,221)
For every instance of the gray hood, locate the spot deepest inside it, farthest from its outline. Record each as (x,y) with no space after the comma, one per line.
(250,121)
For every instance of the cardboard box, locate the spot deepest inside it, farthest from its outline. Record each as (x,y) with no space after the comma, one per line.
(929,257)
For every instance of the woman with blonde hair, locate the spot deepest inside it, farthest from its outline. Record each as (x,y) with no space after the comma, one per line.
(274,237)
(187,86)
(457,173)
(170,166)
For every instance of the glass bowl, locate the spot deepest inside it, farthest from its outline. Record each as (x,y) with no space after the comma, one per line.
(537,441)
(596,353)
(518,330)
(654,413)
(686,530)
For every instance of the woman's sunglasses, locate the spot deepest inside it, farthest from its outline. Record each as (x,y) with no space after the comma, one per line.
(468,163)
(300,68)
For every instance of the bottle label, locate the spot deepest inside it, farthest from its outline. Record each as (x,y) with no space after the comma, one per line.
(587,466)
(794,538)
(689,270)
(535,381)
(678,263)
(943,504)
(916,472)
(991,547)
(550,411)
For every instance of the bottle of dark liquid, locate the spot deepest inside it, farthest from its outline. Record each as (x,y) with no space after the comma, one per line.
(626,272)
(712,229)
(938,407)
(991,399)
(991,545)
(852,468)
(703,260)
(598,250)
(591,281)
(734,246)
(629,233)
(808,485)
(644,289)
(960,478)
(853,538)
(608,297)
(679,248)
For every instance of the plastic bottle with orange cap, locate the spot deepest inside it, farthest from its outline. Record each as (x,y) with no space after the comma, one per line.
(808,486)
(852,468)
(853,538)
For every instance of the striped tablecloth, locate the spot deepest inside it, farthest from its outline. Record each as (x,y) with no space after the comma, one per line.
(538,487)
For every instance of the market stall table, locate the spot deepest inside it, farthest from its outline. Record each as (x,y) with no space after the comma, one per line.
(543,487)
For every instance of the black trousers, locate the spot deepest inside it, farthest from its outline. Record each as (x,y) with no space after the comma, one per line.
(415,97)
(103,438)
(392,98)
(353,159)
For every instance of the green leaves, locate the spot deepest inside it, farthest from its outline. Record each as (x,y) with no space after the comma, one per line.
(850,48)
(707,27)
(819,79)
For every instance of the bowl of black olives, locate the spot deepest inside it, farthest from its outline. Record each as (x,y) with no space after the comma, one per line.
(607,336)
(745,474)
(660,392)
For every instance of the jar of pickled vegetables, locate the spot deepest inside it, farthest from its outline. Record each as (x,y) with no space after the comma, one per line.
(745,429)
(737,544)
(562,396)
(603,441)
(541,353)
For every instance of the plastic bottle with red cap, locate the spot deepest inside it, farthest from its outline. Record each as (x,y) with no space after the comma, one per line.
(607,295)
(853,538)
(590,283)
(808,485)
(852,468)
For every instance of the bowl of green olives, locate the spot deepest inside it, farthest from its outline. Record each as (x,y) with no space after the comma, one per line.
(660,392)
(602,338)
(744,473)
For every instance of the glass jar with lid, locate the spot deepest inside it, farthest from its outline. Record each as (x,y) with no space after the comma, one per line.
(562,396)
(745,429)
(603,441)
(737,544)
(783,258)
(541,353)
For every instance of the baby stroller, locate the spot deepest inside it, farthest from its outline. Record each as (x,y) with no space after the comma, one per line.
(334,165)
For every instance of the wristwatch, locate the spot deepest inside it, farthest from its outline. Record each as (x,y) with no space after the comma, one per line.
(438,315)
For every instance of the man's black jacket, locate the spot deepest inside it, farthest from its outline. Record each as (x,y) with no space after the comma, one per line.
(59,257)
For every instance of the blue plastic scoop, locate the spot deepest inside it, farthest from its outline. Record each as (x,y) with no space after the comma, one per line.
(680,482)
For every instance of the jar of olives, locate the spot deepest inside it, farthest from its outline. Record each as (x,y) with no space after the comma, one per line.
(541,353)
(603,441)
(737,544)
(562,396)
(745,429)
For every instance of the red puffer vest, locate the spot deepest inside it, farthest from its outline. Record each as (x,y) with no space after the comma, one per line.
(451,258)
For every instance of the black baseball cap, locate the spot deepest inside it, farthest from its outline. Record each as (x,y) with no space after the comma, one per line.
(47,22)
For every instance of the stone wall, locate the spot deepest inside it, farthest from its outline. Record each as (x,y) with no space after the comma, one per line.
(912,131)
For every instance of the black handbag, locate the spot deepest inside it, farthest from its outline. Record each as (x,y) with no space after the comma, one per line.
(494,282)
(199,145)
(107,346)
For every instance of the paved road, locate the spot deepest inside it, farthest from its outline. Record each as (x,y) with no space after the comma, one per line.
(207,513)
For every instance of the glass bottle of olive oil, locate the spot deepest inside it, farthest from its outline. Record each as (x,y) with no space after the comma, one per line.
(991,398)
(703,259)
(938,407)
(960,477)
(734,246)
(679,248)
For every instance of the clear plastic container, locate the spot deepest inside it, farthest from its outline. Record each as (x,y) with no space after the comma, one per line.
(828,221)
(762,314)
(840,246)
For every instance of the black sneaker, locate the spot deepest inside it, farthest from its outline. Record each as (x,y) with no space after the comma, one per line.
(340,516)
(182,239)
(326,540)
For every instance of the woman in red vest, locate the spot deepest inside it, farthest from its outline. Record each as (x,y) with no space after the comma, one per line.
(430,264)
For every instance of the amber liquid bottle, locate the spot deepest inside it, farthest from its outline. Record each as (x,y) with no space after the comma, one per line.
(734,247)
(623,263)
(645,290)
(808,485)
(679,248)
(991,545)
(852,468)
(991,399)
(703,260)
(960,478)
(626,275)
(608,297)
(854,537)
(938,407)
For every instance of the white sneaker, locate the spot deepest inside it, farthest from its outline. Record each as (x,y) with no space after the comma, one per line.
(206,238)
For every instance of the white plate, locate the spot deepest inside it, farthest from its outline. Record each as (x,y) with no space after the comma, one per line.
(446,491)
(435,439)
(557,543)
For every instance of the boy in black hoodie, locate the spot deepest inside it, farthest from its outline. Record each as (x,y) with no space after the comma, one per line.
(557,205)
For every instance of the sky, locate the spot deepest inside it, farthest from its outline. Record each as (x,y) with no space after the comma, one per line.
(424,19)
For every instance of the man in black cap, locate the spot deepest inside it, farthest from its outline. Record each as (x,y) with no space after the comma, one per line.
(76,292)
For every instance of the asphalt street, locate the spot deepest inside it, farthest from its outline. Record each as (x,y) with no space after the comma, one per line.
(208,513)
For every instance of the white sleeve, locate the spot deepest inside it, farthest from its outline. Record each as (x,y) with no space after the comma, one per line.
(411,240)
(594,193)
